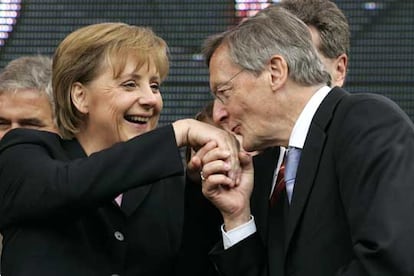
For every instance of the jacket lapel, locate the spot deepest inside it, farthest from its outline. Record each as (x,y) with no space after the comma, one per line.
(264,166)
(133,198)
(310,158)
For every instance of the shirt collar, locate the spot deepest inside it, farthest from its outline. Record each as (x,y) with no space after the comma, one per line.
(301,127)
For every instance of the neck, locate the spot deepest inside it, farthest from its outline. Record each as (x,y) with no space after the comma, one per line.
(91,142)
(295,99)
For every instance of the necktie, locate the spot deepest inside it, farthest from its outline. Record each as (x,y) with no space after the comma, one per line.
(280,184)
(292,161)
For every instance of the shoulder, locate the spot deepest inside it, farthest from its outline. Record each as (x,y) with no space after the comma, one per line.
(363,106)
(29,136)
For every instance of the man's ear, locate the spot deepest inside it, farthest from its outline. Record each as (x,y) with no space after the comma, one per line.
(279,71)
(340,67)
(79,97)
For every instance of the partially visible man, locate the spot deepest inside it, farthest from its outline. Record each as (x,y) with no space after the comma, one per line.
(26,96)
(347,208)
(329,30)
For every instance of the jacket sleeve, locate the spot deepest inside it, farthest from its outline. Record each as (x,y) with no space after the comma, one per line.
(246,258)
(36,181)
(375,165)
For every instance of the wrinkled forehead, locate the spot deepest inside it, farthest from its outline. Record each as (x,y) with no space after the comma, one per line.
(221,67)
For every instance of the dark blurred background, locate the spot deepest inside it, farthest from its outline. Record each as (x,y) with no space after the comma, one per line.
(382,43)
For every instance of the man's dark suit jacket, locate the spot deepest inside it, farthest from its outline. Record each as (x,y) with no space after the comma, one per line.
(351,211)
(59,217)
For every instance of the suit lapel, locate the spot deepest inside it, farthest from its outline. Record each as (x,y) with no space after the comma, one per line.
(310,158)
(133,198)
(264,166)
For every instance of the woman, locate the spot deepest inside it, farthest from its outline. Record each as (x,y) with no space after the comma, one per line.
(57,209)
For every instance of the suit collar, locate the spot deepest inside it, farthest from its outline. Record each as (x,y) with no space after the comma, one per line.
(302,125)
(310,158)
(133,199)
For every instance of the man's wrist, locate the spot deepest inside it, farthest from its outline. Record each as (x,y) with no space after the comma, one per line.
(234,222)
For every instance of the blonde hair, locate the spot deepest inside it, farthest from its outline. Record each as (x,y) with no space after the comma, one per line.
(86,52)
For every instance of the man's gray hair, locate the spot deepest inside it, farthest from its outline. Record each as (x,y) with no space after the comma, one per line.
(253,42)
(28,72)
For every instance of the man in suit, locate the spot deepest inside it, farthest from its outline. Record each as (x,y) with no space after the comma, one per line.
(330,33)
(26,96)
(347,208)
(331,36)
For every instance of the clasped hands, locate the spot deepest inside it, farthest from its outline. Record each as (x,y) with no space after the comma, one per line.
(228,190)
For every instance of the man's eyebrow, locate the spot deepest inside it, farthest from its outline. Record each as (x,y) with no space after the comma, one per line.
(31,121)
(219,85)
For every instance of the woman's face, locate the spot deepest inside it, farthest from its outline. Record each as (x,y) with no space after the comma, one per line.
(120,109)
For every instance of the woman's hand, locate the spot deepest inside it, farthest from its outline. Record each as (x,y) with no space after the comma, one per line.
(190,132)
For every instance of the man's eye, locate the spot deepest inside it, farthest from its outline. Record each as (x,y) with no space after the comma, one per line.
(33,126)
(220,92)
(224,92)
(4,124)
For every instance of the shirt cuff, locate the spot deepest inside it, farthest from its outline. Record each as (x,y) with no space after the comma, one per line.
(238,234)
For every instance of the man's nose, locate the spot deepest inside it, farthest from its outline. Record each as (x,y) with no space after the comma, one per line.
(220,114)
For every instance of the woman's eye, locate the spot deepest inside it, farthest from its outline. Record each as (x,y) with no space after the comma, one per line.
(155,87)
(129,84)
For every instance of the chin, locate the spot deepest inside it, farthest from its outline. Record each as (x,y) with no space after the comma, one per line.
(247,147)
(251,147)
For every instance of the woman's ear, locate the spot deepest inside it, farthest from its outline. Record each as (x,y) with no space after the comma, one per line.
(279,71)
(79,97)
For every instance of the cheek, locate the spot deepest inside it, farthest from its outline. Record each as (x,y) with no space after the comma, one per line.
(103,103)
(238,106)
(159,105)
(118,103)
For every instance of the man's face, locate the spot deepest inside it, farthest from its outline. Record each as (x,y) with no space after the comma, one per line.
(336,67)
(26,108)
(243,98)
